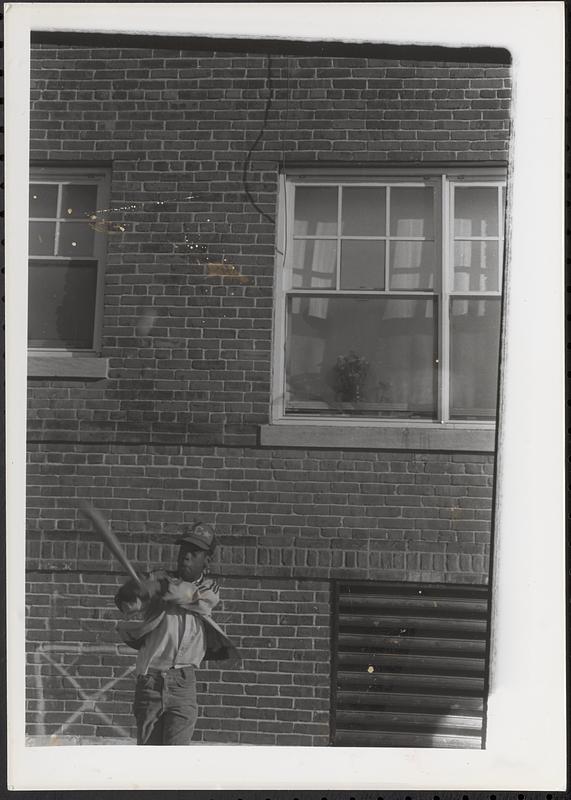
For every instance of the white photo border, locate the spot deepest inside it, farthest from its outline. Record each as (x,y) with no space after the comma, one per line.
(526,729)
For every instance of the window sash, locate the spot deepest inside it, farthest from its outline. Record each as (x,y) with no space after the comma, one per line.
(93,251)
(386,239)
(443,185)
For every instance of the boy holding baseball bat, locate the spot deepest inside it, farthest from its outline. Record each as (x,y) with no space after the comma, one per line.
(168,620)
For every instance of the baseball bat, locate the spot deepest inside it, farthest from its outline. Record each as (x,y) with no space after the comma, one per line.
(109,539)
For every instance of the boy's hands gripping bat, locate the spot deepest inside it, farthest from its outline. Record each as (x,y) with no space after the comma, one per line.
(109,539)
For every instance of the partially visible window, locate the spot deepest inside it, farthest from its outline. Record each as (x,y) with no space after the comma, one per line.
(66,259)
(389,298)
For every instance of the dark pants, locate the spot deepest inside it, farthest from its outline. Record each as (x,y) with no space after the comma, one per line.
(165,706)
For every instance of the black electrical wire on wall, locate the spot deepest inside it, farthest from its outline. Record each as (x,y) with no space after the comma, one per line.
(248,159)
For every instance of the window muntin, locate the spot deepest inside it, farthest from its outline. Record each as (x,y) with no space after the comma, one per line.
(391,287)
(66,260)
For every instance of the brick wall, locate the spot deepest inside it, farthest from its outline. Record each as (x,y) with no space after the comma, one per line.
(81,681)
(296,520)
(172,433)
(177,129)
(325,514)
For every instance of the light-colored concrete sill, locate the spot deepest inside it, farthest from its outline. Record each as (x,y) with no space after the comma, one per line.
(375,436)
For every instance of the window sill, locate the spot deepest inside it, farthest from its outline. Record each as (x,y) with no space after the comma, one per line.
(380,437)
(74,367)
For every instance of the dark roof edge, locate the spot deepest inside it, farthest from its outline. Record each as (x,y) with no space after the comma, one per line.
(402,52)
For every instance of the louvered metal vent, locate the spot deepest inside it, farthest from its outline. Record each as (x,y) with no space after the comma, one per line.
(409,665)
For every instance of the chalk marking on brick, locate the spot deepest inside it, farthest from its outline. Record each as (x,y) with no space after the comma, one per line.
(89,699)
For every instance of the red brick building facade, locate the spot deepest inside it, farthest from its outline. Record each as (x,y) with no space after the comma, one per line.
(168,418)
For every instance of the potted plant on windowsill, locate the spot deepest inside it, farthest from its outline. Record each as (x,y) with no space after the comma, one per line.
(350,375)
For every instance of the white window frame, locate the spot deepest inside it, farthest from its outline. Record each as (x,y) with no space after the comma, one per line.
(65,361)
(324,431)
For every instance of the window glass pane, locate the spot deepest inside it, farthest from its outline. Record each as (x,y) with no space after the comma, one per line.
(314,263)
(476,266)
(412,211)
(364,211)
(474,346)
(362,264)
(78,201)
(365,356)
(42,238)
(412,265)
(75,239)
(62,303)
(43,200)
(476,211)
(315,211)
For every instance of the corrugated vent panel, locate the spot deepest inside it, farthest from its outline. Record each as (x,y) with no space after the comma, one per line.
(410,665)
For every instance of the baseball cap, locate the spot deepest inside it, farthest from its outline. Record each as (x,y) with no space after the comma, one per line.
(201,535)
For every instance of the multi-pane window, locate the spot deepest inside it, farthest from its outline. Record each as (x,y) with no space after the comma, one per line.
(66,259)
(390,297)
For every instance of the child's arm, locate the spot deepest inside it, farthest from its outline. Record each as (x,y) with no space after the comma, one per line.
(208,595)
(133,598)
(200,598)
